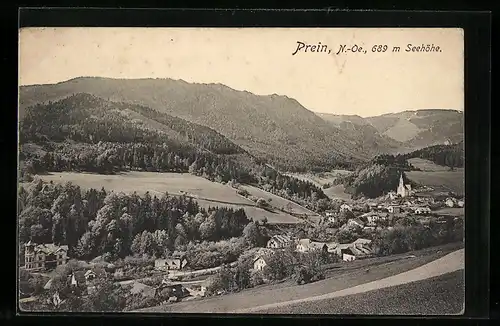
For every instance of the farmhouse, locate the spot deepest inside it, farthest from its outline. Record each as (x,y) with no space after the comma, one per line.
(374,217)
(279,242)
(347,254)
(259,263)
(331,218)
(44,256)
(305,245)
(422,210)
(95,272)
(176,262)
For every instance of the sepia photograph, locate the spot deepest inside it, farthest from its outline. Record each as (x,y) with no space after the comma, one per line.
(241,170)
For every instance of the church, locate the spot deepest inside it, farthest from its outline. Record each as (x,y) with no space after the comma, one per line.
(403,190)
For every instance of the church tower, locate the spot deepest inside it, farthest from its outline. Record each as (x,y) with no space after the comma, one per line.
(401,188)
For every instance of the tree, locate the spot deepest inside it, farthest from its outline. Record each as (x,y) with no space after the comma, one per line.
(252,234)
(208,227)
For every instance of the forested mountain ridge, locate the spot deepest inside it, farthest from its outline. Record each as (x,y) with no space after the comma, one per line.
(86,133)
(274,128)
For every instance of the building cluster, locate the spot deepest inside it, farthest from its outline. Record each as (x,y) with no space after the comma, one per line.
(361,248)
(369,213)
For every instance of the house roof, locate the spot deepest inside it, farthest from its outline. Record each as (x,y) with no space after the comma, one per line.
(318,245)
(348,251)
(362,241)
(50,248)
(304,242)
(281,239)
(259,257)
(357,220)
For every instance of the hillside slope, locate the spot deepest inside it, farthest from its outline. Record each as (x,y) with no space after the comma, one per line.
(421,128)
(407,130)
(275,128)
(356,127)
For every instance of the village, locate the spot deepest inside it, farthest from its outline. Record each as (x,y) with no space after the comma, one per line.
(173,279)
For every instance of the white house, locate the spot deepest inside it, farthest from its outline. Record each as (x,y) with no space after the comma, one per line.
(449,202)
(345,207)
(374,217)
(303,245)
(461,203)
(347,255)
(259,263)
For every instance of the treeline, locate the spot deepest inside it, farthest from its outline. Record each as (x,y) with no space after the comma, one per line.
(446,155)
(108,158)
(395,161)
(373,181)
(408,235)
(94,222)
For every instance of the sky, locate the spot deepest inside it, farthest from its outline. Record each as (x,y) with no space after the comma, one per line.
(260,60)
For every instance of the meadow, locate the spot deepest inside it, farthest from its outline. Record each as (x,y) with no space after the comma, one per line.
(205,192)
(320,179)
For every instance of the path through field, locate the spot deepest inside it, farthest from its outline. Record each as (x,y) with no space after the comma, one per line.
(447,264)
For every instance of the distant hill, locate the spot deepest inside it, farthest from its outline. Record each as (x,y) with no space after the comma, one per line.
(274,128)
(407,130)
(363,132)
(421,128)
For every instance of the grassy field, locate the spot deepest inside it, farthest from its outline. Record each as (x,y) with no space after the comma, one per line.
(205,192)
(349,275)
(451,211)
(277,201)
(442,181)
(320,179)
(426,165)
(441,295)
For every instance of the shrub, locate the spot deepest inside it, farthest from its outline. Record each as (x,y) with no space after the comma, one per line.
(256,278)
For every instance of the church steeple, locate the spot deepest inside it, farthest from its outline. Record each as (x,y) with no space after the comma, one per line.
(401,188)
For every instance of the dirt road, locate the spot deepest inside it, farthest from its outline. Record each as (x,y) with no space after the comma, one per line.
(450,263)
